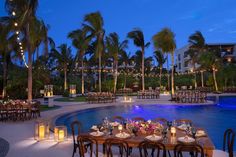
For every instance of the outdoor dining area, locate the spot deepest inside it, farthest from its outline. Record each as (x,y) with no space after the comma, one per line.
(100,97)
(148,94)
(19,110)
(187,96)
(138,137)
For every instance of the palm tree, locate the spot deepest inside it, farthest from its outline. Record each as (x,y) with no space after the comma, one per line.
(197,46)
(125,59)
(29,25)
(63,58)
(165,40)
(158,55)
(80,40)
(5,49)
(138,38)
(94,25)
(115,48)
(210,60)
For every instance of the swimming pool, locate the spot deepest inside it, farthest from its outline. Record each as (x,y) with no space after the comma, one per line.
(214,118)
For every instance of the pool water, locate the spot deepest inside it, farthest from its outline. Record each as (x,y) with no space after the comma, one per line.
(214,118)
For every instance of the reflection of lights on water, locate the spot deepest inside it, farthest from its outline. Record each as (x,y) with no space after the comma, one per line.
(136,106)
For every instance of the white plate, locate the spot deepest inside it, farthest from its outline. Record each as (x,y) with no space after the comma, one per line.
(114,123)
(153,138)
(186,139)
(94,127)
(122,135)
(97,133)
(200,133)
(183,127)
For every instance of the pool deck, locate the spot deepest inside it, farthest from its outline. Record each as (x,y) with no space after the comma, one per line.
(20,135)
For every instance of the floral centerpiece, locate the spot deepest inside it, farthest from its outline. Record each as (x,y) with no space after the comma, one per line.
(147,127)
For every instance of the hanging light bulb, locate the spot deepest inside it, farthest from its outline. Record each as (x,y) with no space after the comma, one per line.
(17,32)
(22,54)
(22,51)
(18,38)
(14,13)
(16,24)
(21,47)
(20,43)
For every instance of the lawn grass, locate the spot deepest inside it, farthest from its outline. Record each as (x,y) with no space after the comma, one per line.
(76,99)
(46,108)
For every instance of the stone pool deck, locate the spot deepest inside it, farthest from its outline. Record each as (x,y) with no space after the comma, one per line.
(20,135)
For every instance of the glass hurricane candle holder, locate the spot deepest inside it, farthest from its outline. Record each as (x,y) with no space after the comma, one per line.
(60,133)
(41,130)
(120,128)
(173,131)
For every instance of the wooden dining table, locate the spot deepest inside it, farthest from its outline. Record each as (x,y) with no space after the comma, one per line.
(170,141)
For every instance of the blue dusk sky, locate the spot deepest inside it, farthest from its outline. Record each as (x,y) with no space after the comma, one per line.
(216,19)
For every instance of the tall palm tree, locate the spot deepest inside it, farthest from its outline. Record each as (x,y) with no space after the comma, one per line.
(115,48)
(158,55)
(80,40)
(28,23)
(197,46)
(5,49)
(93,23)
(138,38)
(210,60)
(125,60)
(63,58)
(165,40)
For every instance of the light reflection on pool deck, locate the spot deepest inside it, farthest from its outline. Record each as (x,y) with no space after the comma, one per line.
(214,118)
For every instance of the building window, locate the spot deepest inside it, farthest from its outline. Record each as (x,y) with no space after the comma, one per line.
(185,54)
(179,57)
(186,64)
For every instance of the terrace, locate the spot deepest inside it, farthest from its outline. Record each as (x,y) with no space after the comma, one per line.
(100,93)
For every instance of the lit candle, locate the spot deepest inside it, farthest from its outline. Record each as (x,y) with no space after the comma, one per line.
(48,93)
(173,131)
(61,135)
(41,132)
(120,127)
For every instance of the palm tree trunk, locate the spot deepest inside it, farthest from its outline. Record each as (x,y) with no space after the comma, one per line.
(160,76)
(143,77)
(168,76)
(115,77)
(202,78)
(4,75)
(214,78)
(172,74)
(82,77)
(195,76)
(30,80)
(65,79)
(99,72)
(125,78)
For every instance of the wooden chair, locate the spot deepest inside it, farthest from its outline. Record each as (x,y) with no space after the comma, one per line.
(228,145)
(156,149)
(122,146)
(138,119)
(118,118)
(85,141)
(75,126)
(194,150)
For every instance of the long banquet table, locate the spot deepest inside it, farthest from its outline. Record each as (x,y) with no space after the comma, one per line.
(170,142)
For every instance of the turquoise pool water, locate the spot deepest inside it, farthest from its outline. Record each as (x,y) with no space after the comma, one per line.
(215,118)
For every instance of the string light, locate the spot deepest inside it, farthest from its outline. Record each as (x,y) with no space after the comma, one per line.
(14,13)
(16,24)
(17,32)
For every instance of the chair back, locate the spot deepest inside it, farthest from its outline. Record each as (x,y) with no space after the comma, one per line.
(156,149)
(75,126)
(194,150)
(85,142)
(138,119)
(228,143)
(118,143)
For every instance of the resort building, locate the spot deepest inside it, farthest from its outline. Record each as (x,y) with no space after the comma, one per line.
(228,53)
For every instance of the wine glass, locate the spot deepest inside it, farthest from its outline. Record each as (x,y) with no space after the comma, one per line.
(194,132)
